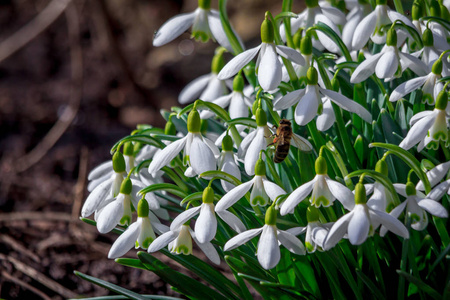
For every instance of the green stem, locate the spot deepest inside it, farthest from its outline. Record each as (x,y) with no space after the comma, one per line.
(232,38)
(287,7)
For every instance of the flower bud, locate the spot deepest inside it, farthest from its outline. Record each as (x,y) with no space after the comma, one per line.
(391,39)
(312,77)
(312,214)
(126,186)
(360,194)
(382,167)
(238,83)
(321,166)
(143,208)
(441,100)
(306,45)
(119,165)
(128,149)
(261,117)
(271,216)
(267,34)
(427,38)
(217,62)
(312,3)
(208,195)
(227,143)
(410,189)
(260,168)
(170,128)
(204,4)
(194,121)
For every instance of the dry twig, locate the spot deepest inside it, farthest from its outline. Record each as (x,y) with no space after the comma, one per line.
(25,285)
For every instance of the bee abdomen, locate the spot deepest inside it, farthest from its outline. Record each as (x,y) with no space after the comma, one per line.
(281,153)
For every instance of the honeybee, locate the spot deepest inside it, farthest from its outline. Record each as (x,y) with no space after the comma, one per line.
(282,140)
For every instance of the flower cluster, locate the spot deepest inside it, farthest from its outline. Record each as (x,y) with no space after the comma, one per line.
(337,77)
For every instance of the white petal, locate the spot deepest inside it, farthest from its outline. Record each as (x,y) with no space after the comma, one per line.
(238,108)
(296,197)
(110,216)
(173,28)
(335,15)
(433,207)
(407,87)
(337,231)
(241,238)
(215,25)
(342,193)
(387,66)
(359,225)
(413,63)
(233,196)
(268,249)
(208,249)
(201,157)
(99,194)
(365,69)
(194,89)
(393,16)
(272,189)
(184,217)
(389,222)
(347,104)
(214,89)
(101,170)
(418,132)
(269,71)
(291,243)
(363,31)
(166,155)
(229,166)
(259,143)
(234,222)
(324,39)
(212,146)
(290,54)
(162,241)
(439,191)
(297,230)
(237,63)
(435,175)
(327,118)
(414,119)
(306,109)
(245,144)
(125,241)
(206,224)
(288,100)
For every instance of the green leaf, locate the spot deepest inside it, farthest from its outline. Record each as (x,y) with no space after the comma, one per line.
(170,188)
(149,297)
(420,284)
(141,138)
(409,159)
(332,35)
(285,269)
(231,36)
(165,137)
(243,121)
(131,262)
(372,286)
(183,283)
(109,286)
(221,175)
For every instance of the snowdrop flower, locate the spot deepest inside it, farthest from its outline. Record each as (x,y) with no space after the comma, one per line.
(254,142)
(236,102)
(431,87)
(262,191)
(354,17)
(199,152)
(179,239)
(206,87)
(110,185)
(268,244)
(358,223)
(417,205)
(227,163)
(318,12)
(310,99)
(138,234)
(430,54)
(389,63)
(118,210)
(205,23)
(434,176)
(324,191)
(268,66)
(371,26)
(428,127)
(206,225)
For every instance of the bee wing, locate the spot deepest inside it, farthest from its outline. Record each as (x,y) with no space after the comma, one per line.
(301,143)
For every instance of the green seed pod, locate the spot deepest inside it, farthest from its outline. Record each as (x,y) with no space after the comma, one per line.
(261,117)
(126,186)
(238,83)
(170,128)
(335,84)
(360,194)
(437,67)
(218,62)
(205,4)
(410,189)
(119,165)
(297,39)
(312,77)
(381,2)
(143,208)
(427,38)
(260,168)
(128,149)
(442,100)
(306,45)
(321,166)
(391,39)
(227,143)
(271,216)
(208,195)
(267,34)
(382,167)
(194,121)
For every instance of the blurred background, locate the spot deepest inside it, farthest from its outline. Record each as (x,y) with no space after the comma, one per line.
(75,77)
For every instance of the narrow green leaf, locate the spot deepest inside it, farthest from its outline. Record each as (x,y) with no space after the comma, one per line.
(420,284)
(149,297)
(231,36)
(369,283)
(131,262)
(109,286)
(243,121)
(220,175)
(170,188)
(141,138)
